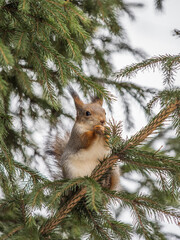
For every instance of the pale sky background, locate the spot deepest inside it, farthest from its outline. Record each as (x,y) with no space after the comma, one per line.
(152,31)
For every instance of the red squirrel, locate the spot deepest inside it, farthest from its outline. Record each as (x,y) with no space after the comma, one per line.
(87,145)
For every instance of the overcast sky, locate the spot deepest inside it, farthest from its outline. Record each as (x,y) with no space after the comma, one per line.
(152,32)
(152,29)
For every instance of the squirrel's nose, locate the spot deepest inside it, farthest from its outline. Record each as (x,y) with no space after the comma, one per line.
(102,122)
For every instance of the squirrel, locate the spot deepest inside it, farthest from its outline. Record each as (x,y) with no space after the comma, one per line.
(87,144)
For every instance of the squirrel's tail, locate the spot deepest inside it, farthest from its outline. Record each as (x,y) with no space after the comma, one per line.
(55,148)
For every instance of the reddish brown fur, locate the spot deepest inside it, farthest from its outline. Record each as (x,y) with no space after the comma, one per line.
(88,143)
(78,101)
(98,101)
(88,138)
(114,181)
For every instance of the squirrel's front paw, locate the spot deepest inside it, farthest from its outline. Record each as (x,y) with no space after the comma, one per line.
(99,129)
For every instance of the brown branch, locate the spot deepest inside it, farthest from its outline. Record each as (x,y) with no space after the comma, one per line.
(137,138)
(140,221)
(54,221)
(153,125)
(96,225)
(105,165)
(145,165)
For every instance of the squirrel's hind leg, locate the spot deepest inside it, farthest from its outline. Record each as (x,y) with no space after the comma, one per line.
(115,179)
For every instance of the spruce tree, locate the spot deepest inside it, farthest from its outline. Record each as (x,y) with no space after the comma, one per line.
(45,46)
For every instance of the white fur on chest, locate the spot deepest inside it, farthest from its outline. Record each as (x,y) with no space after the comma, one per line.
(85,160)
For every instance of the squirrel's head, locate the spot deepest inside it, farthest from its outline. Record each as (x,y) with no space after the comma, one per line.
(90,114)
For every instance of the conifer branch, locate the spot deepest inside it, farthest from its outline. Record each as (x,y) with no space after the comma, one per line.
(13,231)
(153,125)
(62,213)
(33,173)
(96,225)
(4,56)
(108,163)
(136,139)
(145,203)
(139,219)
(167,63)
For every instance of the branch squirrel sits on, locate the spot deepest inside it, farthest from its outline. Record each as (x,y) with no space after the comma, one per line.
(87,144)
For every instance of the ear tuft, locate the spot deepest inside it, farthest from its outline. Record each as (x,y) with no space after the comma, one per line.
(97,100)
(76,98)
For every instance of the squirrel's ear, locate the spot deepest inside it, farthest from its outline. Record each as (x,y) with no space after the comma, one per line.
(97,100)
(76,98)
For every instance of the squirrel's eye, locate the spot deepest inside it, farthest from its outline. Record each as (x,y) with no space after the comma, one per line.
(88,113)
